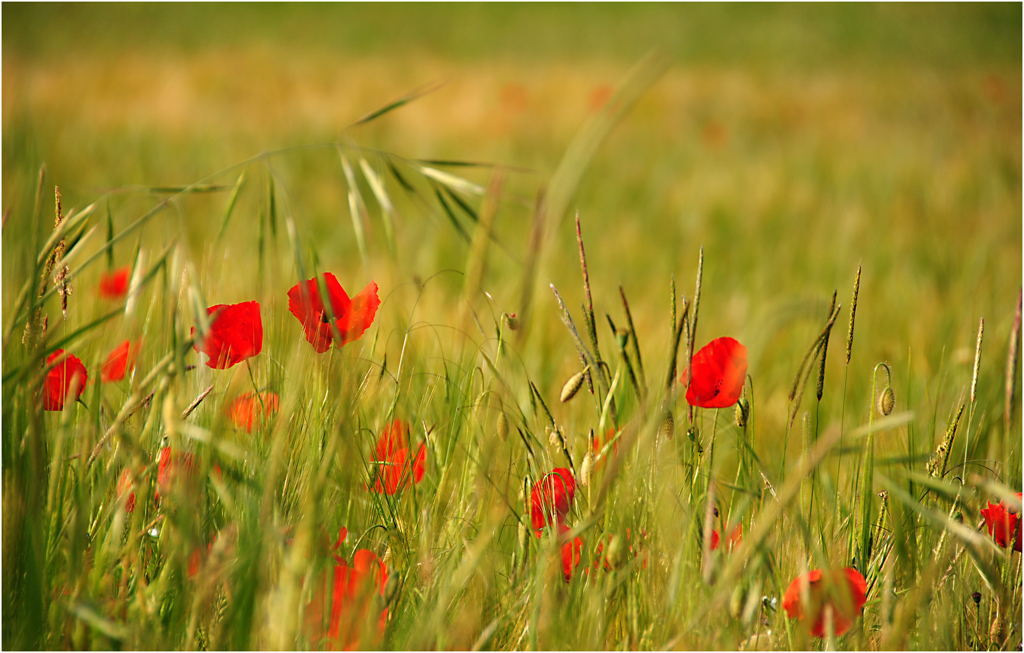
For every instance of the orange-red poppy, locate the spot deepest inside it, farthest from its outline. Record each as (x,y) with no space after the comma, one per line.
(59,380)
(1003,524)
(124,484)
(246,409)
(735,537)
(551,498)
(572,554)
(808,599)
(114,285)
(120,360)
(391,459)
(351,316)
(174,467)
(236,333)
(354,591)
(719,371)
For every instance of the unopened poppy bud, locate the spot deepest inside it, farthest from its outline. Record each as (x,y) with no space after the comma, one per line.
(976,596)
(391,589)
(742,412)
(886,401)
(502,426)
(668,425)
(616,552)
(511,321)
(587,469)
(573,385)
(692,433)
(958,517)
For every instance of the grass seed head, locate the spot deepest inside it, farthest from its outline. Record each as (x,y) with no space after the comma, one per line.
(587,469)
(573,385)
(616,552)
(502,426)
(668,425)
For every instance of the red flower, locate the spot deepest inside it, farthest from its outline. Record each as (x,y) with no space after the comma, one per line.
(848,593)
(236,333)
(556,492)
(391,459)
(572,553)
(124,484)
(59,380)
(735,537)
(351,316)
(197,557)
(352,598)
(719,371)
(1003,524)
(114,285)
(120,360)
(245,410)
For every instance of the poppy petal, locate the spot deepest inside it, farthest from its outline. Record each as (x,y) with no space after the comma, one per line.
(719,372)
(60,378)
(114,285)
(236,333)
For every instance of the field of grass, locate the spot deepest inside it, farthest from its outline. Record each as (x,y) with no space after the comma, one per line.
(768,155)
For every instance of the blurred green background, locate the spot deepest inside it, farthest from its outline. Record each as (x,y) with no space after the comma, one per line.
(792,142)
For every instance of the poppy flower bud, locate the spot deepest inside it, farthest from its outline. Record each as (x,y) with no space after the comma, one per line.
(742,412)
(886,401)
(502,426)
(976,597)
(511,321)
(668,425)
(622,336)
(587,469)
(573,385)
(616,552)
(692,433)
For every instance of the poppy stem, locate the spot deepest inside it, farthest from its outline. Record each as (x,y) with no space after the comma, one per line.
(252,379)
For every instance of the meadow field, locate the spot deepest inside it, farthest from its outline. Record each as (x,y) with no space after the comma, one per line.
(506,327)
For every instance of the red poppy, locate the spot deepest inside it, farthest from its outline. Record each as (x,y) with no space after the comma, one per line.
(351,316)
(1003,524)
(114,285)
(719,371)
(352,597)
(600,444)
(60,378)
(391,459)
(735,537)
(246,409)
(176,467)
(556,492)
(197,557)
(124,484)
(236,333)
(120,360)
(572,554)
(846,598)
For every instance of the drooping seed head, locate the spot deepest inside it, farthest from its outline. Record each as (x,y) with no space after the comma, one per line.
(616,552)
(573,385)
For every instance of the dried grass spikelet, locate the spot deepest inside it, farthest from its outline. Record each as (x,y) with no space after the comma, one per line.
(937,464)
(553,437)
(573,385)
(587,469)
(668,426)
(886,401)
(502,426)
(742,412)
(977,361)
